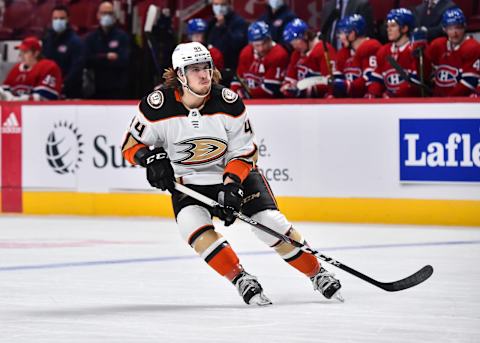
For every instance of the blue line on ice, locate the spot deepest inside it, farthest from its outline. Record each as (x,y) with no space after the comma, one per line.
(173,258)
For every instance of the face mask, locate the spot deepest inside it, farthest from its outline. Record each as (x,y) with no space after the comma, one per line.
(274,4)
(220,9)
(59,25)
(107,20)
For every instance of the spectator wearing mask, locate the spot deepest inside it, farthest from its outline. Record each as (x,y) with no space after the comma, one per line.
(429,14)
(227,31)
(62,45)
(277,16)
(262,65)
(455,58)
(107,54)
(357,59)
(309,58)
(386,79)
(196,33)
(34,77)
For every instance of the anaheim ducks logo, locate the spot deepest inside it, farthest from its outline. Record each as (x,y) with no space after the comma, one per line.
(201,150)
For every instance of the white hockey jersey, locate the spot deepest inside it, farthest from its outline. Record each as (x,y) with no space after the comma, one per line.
(199,142)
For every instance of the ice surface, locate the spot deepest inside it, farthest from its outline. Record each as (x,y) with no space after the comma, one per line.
(71,279)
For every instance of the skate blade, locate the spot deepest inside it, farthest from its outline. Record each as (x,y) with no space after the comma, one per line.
(338,296)
(260,300)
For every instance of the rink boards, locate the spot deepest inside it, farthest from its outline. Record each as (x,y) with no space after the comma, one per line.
(411,161)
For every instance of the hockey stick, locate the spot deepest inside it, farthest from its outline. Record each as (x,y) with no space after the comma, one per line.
(406,77)
(312,81)
(152,14)
(410,281)
(244,85)
(420,64)
(326,54)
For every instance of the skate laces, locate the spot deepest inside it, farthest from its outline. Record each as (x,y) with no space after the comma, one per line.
(323,280)
(246,283)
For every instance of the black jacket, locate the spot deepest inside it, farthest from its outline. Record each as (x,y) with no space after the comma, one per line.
(277,21)
(67,50)
(329,14)
(433,21)
(229,38)
(111,77)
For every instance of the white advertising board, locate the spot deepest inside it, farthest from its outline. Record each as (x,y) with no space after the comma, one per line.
(305,150)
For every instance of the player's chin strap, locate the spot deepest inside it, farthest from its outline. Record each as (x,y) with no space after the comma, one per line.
(410,281)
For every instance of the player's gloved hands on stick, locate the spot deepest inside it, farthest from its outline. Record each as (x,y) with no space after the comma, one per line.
(231,197)
(159,169)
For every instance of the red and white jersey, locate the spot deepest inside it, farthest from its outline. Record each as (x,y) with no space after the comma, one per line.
(263,75)
(217,57)
(312,63)
(386,77)
(357,66)
(44,79)
(456,70)
(199,142)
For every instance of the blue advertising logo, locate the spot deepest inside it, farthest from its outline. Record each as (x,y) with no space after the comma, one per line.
(440,150)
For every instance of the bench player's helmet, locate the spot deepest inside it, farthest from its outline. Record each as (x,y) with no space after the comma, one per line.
(453,16)
(403,17)
(353,23)
(258,31)
(186,54)
(196,25)
(295,29)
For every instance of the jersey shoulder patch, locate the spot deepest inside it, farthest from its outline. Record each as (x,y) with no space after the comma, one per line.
(229,96)
(155,99)
(161,104)
(224,100)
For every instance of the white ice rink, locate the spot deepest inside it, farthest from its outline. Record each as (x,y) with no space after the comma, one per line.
(70,279)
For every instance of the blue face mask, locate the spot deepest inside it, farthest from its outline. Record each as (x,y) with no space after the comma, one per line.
(275,4)
(220,9)
(59,25)
(107,20)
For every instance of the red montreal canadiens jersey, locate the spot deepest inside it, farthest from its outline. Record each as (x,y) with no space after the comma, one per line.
(45,79)
(263,75)
(455,70)
(395,85)
(217,57)
(313,63)
(357,65)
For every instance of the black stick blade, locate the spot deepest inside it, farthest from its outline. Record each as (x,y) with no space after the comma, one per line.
(410,281)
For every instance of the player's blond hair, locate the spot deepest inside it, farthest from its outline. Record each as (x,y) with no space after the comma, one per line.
(171,80)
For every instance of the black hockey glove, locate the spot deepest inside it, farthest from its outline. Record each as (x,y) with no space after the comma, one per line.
(231,197)
(159,170)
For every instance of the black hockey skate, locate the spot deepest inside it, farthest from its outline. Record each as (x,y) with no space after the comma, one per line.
(250,290)
(326,284)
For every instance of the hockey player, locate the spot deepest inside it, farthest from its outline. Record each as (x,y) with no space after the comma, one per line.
(386,80)
(456,59)
(196,32)
(33,78)
(357,59)
(199,132)
(308,59)
(261,65)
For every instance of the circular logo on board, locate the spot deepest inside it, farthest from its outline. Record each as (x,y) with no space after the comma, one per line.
(64,148)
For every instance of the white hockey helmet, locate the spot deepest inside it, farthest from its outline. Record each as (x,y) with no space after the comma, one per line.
(190,53)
